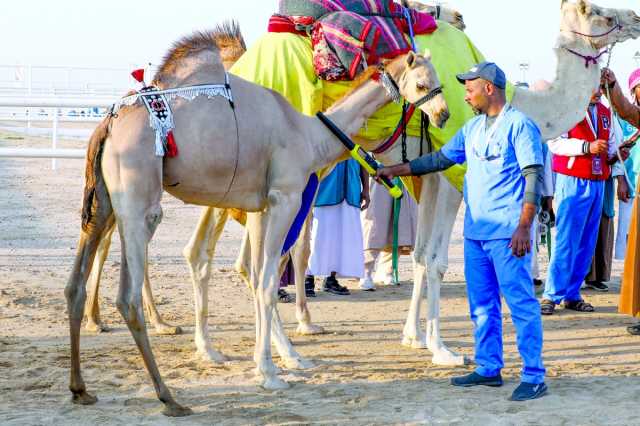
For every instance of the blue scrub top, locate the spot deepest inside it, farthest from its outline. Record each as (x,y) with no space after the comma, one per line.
(493,185)
(342,184)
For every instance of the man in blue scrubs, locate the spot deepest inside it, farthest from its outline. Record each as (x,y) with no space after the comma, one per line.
(503,152)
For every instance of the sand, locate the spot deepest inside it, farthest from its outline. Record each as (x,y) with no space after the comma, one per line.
(363,374)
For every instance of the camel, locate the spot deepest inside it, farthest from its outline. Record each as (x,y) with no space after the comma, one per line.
(570,91)
(222,164)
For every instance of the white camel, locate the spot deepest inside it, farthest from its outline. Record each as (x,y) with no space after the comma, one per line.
(255,154)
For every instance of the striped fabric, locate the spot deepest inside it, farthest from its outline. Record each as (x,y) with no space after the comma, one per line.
(350,34)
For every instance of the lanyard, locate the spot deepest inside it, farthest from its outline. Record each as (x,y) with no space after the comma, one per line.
(488,135)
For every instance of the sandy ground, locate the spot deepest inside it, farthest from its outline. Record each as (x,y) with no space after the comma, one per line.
(363,374)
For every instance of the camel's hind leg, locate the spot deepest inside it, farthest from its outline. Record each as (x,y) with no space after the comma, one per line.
(137,220)
(92,308)
(300,253)
(75,292)
(199,253)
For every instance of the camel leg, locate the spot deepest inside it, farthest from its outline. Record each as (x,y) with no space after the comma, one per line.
(412,336)
(291,358)
(75,293)
(199,253)
(441,224)
(137,221)
(276,222)
(300,253)
(243,261)
(92,308)
(161,327)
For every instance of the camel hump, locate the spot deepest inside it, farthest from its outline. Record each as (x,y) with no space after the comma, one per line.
(230,41)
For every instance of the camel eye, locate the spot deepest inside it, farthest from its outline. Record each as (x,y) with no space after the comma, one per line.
(421,85)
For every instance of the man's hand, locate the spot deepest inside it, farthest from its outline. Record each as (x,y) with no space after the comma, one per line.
(599,147)
(607,77)
(624,193)
(521,241)
(390,172)
(365,199)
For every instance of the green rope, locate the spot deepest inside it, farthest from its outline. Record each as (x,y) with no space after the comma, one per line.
(396,218)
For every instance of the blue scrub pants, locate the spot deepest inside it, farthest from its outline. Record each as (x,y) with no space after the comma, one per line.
(490,268)
(578,216)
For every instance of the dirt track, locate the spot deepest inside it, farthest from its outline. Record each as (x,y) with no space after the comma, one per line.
(363,374)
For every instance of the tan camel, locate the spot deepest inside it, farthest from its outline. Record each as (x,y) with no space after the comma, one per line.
(231,45)
(256,156)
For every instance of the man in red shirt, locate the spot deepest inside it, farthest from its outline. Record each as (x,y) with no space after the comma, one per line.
(583,160)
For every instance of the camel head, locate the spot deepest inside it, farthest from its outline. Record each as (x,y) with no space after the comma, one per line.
(418,83)
(442,13)
(598,26)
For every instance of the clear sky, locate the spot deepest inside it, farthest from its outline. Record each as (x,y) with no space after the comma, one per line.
(125,33)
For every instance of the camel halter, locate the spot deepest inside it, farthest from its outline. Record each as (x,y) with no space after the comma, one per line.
(589,59)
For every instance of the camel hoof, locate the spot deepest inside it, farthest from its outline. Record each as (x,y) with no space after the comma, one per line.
(164,329)
(96,327)
(309,329)
(414,342)
(448,358)
(83,398)
(176,410)
(274,383)
(298,363)
(211,356)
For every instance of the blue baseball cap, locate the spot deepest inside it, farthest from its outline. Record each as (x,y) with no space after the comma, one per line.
(486,71)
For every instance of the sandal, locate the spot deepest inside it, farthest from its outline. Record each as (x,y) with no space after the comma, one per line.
(579,306)
(284,297)
(547,307)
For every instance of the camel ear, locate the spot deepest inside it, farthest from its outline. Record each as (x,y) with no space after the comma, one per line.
(411,59)
(583,6)
(427,54)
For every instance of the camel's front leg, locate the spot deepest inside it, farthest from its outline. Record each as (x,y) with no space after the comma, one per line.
(447,204)
(300,253)
(282,208)
(92,308)
(199,253)
(412,336)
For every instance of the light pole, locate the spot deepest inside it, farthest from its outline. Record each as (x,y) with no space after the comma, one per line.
(524,67)
(636,58)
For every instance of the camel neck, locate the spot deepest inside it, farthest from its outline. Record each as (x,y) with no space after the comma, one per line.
(349,115)
(557,109)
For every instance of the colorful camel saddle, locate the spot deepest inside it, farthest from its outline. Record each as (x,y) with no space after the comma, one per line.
(349,35)
(284,62)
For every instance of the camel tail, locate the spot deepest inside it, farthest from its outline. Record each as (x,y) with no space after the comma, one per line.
(96,201)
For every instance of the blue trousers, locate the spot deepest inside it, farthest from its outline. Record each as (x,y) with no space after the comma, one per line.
(490,268)
(579,204)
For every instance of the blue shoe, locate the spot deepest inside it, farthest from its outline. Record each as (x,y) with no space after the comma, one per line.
(527,391)
(474,379)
